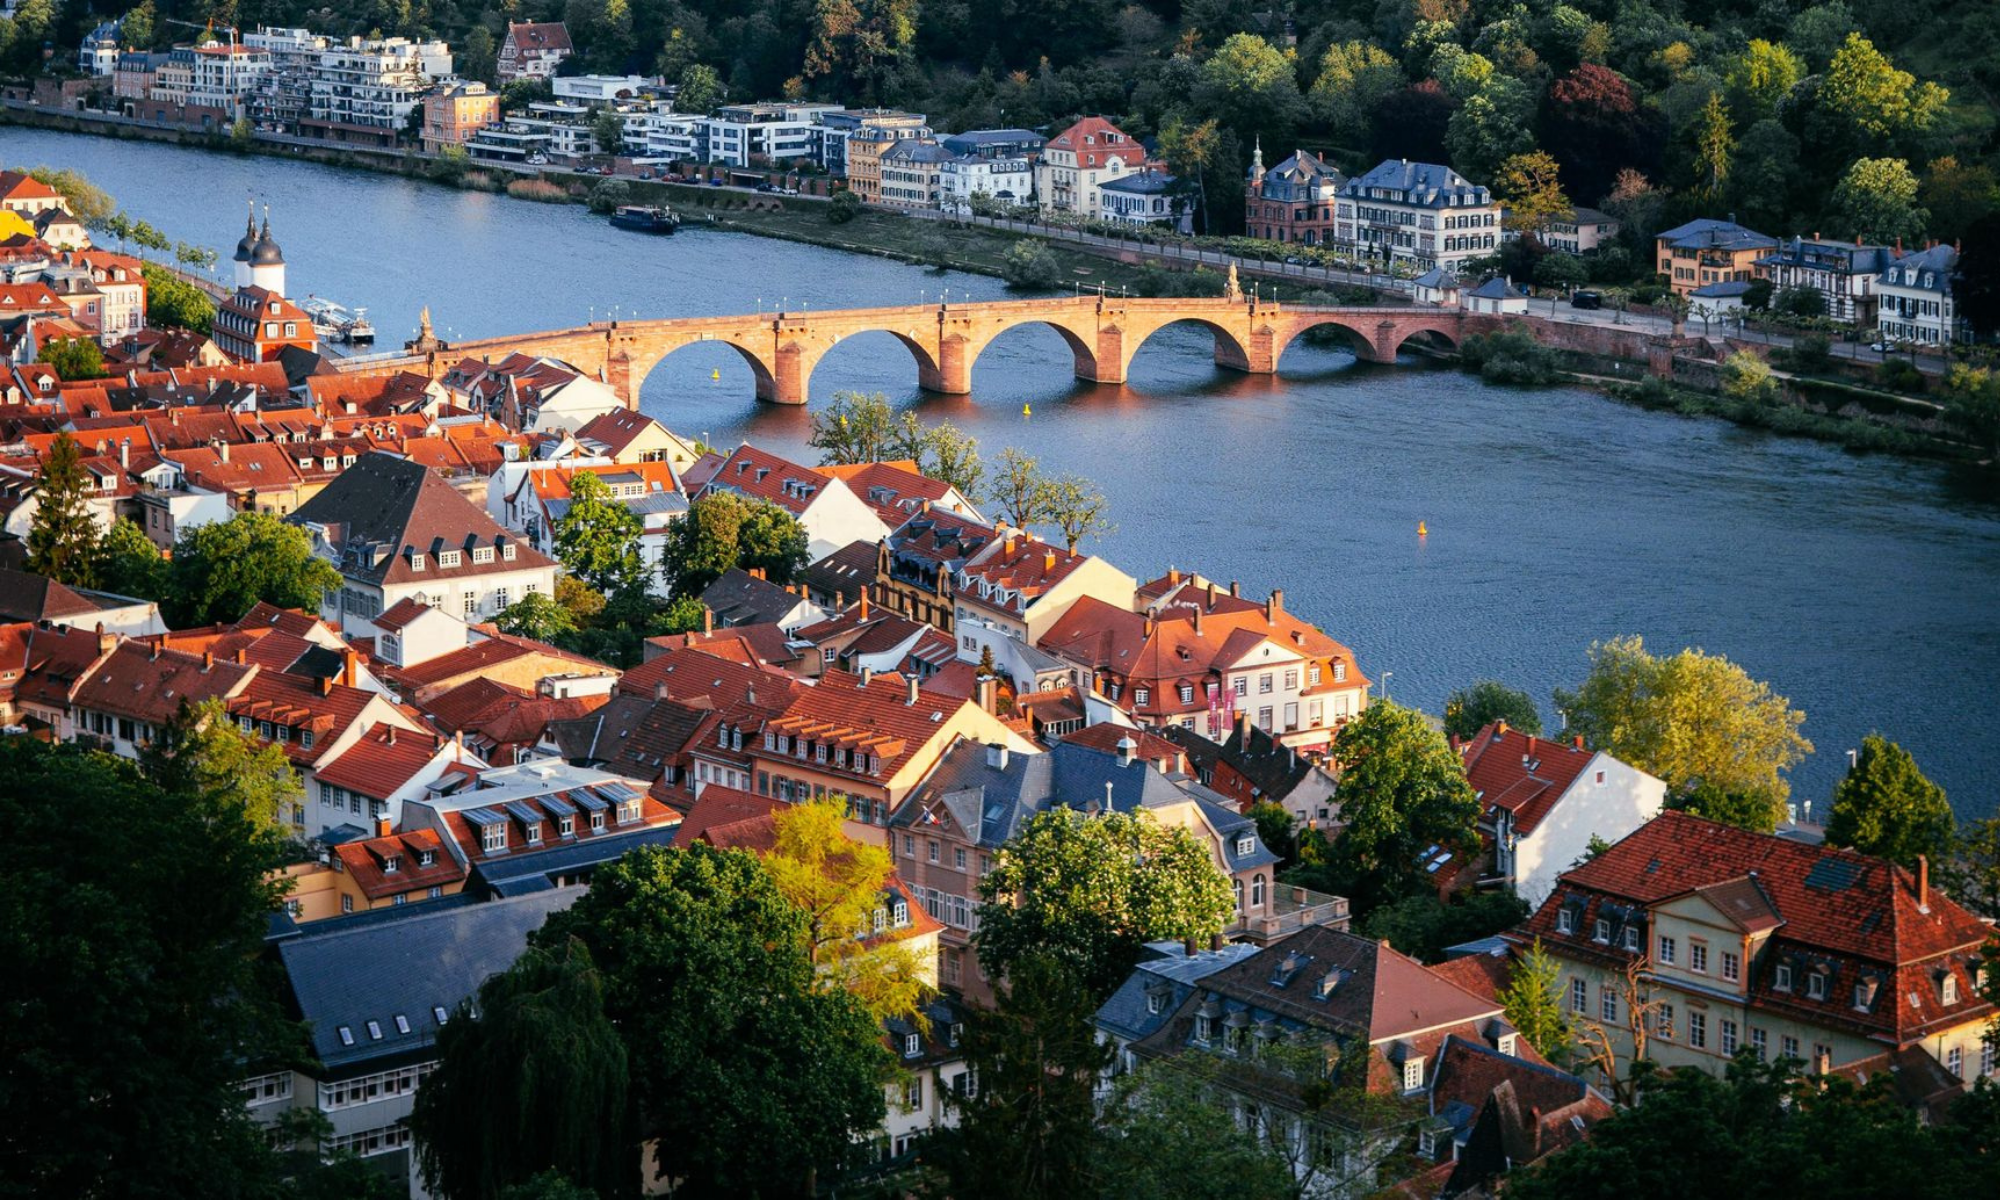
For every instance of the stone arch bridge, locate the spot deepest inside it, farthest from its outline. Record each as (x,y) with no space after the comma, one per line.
(1103,333)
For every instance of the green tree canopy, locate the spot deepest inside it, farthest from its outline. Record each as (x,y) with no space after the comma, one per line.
(1090,891)
(1531,185)
(597,538)
(1691,719)
(1533,1000)
(722,530)
(74,358)
(173,301)
(1885,807)
(202,752)
(1168,1132)
(530,1079)
(538,617)
(707,977)
(129,564)
(1401,791)
(1876,200)
(134,1008)
(1864,87)
(63,533)
(222,569)
(1470,709)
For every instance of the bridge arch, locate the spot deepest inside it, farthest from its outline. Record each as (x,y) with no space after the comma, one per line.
(967,348)
(630,368)
(813,351)
(1230,350)
(1359,338)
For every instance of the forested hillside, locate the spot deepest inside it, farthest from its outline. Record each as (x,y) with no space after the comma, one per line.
(1854,117)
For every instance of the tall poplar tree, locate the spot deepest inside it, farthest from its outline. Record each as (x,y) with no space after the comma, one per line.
(62,538)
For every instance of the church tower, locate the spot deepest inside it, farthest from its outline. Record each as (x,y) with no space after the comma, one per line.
(266,268)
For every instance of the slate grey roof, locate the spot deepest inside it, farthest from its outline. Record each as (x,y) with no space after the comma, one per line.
(917,151)
(1722,290)
(1143,183)
(1437,277)
(384,508)
(344,977)
(1171,974)
(1706,233)
(1821,255)
(738,598)
(1495,288)
(1908,271)
(1429,185)
(527,871)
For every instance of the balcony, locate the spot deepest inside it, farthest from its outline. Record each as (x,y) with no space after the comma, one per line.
(1290,910)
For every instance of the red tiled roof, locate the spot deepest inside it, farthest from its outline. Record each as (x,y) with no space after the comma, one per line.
(53,660)
(367,861)
(1088,139)
(876,718)
(896,490)
(652,813)
(382,761)
(616,429)
(759,644)
(538,35)
(483,655)
(719,808)
(148,684)
(323,707)
(1481,974)
(761,475)
(691,673)
(1521,773)
(1147,747)
(1020,567)
(19,185)
(401,613)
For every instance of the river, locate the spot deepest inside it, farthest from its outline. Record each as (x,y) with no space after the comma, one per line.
(1866,589)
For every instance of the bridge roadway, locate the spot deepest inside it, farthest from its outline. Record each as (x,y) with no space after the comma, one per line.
(782,348)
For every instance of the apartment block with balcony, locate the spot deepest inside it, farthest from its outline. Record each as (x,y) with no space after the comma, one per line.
(364,91)
(456,112)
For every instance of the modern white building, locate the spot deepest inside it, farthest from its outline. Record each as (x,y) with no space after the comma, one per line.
(371,86)
(225,75)
(1418,213)
(1915,299)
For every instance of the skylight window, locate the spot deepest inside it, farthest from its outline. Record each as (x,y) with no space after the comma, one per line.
(346,1036)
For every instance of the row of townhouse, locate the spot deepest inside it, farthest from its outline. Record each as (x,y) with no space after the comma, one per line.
(49,268)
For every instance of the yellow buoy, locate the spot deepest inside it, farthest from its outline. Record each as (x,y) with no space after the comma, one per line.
(715,374)
(1026,411)
(1423,530)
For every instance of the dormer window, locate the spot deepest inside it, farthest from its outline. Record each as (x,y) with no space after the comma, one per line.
(1187,693)
(482,554)
(1413,1073)
(447,559)
(507,551)
(1565,920)
(1602,931)
(1864,994)
(426,858)
(902,913)
(1816,986)
(1948,989)
(913,1045)
(1781,978)
(417,562)
(1246,844)
(392,864)
(534,830)
(1155,1001)
(1339,672)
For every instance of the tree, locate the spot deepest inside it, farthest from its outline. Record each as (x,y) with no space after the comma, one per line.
(1190,151)
(1972,873)
(1885,807)
(1763,74)
(1803,301)
(1957,194)
(532,1078)
(1276,828)
(108,932)
(608,195)
(707,978)
(1691,719)
(722,530)
(855,427)
(222,569)
(1020,490)
(1354,78)
(1977,291)
(537,617)
(597,538)
(1562,271)
(173,301)
(1470,709)
(1490,127)
(1029,264)
(1596,128)
(1424,926)
(607,129)
(63,534)
(1533,1001)
(1074,505)
(1747,378)
(700,91)
(1029,1133)
(1401,790)
(1971,398)
(85,201)
(1765,175)
(837,882)
(951,455)
(74,358)
(129,564)
(1090,891)
(1636,203)
(1877,200)
(843,207)
(1167,1132)
(1531,186)
(201,751)
(1880,101)
(136,26)
(1714,143)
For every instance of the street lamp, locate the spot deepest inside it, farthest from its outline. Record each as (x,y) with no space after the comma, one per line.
(1386,675)
(1853,759)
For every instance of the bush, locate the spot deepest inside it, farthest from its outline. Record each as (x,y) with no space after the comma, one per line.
(1029,264)
(1747,378)
(844,207)
(608,194)
(539,190)
(1511,357)
(1900,375)
(1809,352)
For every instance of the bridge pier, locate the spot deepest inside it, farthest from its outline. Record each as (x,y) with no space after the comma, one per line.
(953,374)
(789,375)
(1108,360)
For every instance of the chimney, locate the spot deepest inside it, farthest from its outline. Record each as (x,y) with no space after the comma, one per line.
(1197,620)
(1275,605)
(1211,593)
(207,661)
(1576,740)
(1146,627)
(996,756)
(383,827)
(326,686)
(983,692)
(1215,940)
(756,572)
(350,668)
(660,691)
(707,619)
(1188,945)
(867,676)
(1049,561)
(125,452)
(457,744)
(390,740)
(864,604)
(1243,729)
(1007,547)
(1127,749)
(1499,730)
(1923,883)
(1173,577)
(912,701)
(222,451)
(1235,588)
(242,657)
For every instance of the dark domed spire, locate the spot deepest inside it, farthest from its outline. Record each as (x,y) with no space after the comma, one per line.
(248,245)
(265,253)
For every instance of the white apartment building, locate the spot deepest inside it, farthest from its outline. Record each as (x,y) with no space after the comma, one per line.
(1008,180)
(225,75)
(284,93)
(373,84)
(1418,213)
(1079,160)
(781,133)
(1914,295)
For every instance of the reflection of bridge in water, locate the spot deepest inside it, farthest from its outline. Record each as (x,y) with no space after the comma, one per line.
(1103,333)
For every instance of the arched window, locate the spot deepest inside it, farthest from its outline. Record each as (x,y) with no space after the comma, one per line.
(1237,885)
(1257,892)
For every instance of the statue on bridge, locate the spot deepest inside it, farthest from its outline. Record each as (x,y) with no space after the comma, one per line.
(1233,290)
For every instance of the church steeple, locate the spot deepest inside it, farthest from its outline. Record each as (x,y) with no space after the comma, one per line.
(1257,158)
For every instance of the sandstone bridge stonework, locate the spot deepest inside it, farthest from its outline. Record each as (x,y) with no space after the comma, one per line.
(1103,333)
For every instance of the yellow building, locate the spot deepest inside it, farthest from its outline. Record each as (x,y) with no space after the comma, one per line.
(453,114)
(866,145)
(1702,940)
(380,872)
(1703,251)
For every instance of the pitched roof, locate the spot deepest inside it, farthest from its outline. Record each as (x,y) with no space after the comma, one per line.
(633,736)
(894,489)
(383,511)
(148,684)
(28,597)
(1707,233)
(539,35)
(1151,747)
(493,649)
(368,862)
(1096,142)
(761,475)
(720,807)
(345,976)
(884,716)
(1378,992)
(1520,772)
(1429,184)
(1013,575)
(617,429)
(845,575)
(382,761)
(740,598)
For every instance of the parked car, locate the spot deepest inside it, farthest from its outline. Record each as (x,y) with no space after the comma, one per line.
(1879,347)
(713,182)
(1586,300)
(767,186)
(538,160)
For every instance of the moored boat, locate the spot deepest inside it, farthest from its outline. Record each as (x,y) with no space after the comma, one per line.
(646,218)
